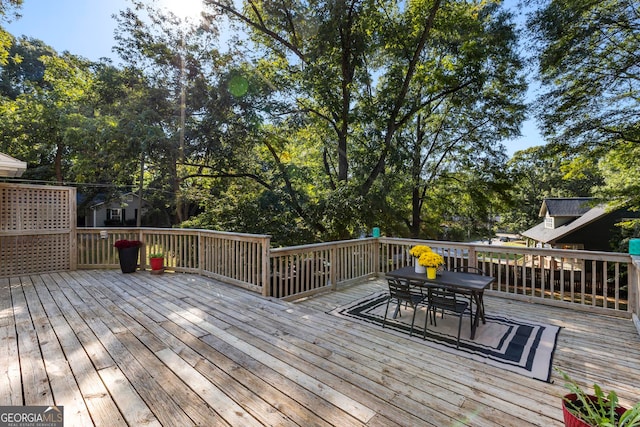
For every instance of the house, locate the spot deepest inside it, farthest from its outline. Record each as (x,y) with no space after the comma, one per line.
(10,167)
(575,223)
(116,212)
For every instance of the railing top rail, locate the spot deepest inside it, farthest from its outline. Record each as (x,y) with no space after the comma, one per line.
(562,253)
(35,186)
(408,241)
(317,246)
(187,231)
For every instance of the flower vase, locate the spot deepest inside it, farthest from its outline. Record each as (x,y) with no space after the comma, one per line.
(157,265)
(419,268)
(128,259)
(432,272)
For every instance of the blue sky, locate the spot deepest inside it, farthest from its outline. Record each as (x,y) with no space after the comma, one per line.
(85,28)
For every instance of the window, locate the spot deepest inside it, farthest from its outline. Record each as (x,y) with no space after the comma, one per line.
(114,214)
(548,222)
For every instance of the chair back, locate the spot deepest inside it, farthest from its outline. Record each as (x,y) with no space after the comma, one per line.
(443,298)
(399,289)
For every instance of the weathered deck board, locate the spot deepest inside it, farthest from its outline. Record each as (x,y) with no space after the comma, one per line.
(46,317)
(11,381)
(37,390)
(137,349)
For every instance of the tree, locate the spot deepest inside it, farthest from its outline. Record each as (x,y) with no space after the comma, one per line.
(8,10)
(46,101)
(459,132)
(620,169)
(175,58)
(24,70)
(360,73)
(60,111)
(589,64)
(541,172)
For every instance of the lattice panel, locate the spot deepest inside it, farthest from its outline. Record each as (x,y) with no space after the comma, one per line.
(28,254)
(34,208)
(37,229)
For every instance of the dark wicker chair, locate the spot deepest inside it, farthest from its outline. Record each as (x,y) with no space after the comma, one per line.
(400,291)
(445,300)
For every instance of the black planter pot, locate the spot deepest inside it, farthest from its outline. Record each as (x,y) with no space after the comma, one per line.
(128,259)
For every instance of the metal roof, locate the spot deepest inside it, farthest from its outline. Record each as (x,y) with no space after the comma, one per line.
(566,206)
(11,167)
(548,235)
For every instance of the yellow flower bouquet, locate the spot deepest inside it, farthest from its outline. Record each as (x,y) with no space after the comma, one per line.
(430,259)
(418,250)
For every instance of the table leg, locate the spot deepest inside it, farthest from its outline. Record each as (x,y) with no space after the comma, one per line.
(476,298)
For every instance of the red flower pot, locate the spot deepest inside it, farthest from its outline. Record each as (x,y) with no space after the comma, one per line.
(571,420)
(156,263)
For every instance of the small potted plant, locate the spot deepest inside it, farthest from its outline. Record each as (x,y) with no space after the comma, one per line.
(581,409)
(156,260)
(128,251)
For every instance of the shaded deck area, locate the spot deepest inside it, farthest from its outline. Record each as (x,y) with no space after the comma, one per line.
(177,350)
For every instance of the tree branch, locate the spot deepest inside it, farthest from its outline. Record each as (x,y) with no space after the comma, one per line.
(259,25)
(392,122)
(254,177)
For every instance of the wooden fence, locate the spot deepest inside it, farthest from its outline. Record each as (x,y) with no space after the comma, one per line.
(37,229)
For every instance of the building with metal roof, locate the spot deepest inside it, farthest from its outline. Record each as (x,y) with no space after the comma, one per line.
(576,223)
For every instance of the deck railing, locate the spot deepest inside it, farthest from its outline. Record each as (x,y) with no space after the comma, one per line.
(586,280)
(241,259)
(590,280)
(303,270)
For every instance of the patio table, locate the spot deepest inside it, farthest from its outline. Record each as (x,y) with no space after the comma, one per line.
(463,283)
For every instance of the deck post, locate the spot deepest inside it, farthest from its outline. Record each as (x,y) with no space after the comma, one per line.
(634,290)
(201,254)
(377,267)
(73,235)
(266,267)
(143,250)
(333,265)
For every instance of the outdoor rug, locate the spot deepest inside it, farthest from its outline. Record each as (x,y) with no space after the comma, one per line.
(511,344)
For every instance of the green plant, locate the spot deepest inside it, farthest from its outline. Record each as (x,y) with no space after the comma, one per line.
(598,409)
(156,255)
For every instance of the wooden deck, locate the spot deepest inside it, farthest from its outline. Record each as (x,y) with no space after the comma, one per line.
(179,350)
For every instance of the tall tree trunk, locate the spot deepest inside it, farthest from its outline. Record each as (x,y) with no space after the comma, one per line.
(416,207)
(416,170)
(343,161)
(58,162)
